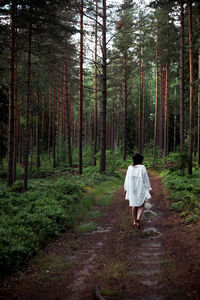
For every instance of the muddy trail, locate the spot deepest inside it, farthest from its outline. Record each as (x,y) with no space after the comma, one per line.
(159,261)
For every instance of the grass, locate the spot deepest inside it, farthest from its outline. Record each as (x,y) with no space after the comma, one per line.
(114,270)
(86,227)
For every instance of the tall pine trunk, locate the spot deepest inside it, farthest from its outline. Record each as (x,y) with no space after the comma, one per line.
(125,110)
(80,161)
(49,129)
(11,97)
(37,126)
(104,94)
(28,101)
(182,121)
(191,86)
(143,108)
(95,88)
(161,109)
(140,104)
(166,106)
(42,125)
(16,130)
(53,126)
(198,146)
(68,120)
(156,100)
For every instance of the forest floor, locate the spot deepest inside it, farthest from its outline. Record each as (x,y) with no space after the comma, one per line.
(159,261)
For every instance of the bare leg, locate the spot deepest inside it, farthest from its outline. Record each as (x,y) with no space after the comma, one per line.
(140,211)
(134,213)
(139,214)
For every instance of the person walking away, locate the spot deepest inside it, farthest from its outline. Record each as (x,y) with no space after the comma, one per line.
(137,187)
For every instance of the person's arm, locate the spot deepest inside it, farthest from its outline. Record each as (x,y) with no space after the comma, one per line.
(126,183)
(146,180)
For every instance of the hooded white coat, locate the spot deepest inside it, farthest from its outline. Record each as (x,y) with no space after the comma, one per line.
(137,185)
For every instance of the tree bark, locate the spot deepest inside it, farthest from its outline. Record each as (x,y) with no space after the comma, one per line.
(166,107)
(53,127)
(198,145)
(125,110)
(95,88)
(191,86)
(104,94)
(68,120)
(182,121)
(11,97)
(28,101)
(156,100)
(16,129)
(37,127)
(58,122)
(42,125)
(143,108)
(140,104)
(161,110)
(80,161)
(49,129)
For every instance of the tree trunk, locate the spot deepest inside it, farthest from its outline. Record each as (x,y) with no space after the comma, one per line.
(11,97)
(49,129)
(140,104)
(80,162)
(191,86)
(125,110)
(143,108)
(58,122)
(16,139)
(28,101)
(156,100)
(42,126)
(68,121)
(166,108)
(161,110)
(182,121)
(95,88)
(37,127)
(198,146)
(175,118)
(104,94)
(53,127)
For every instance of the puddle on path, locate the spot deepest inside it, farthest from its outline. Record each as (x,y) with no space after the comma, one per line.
(149,215)
(151,233)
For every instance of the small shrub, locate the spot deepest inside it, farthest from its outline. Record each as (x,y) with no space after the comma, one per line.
(177,206)
(192,219)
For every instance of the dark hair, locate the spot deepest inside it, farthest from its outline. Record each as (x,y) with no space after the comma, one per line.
(137,159)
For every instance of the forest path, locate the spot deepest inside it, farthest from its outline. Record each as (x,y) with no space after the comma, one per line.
(159,261)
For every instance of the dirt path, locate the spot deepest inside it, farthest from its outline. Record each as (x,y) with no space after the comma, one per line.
(160,261)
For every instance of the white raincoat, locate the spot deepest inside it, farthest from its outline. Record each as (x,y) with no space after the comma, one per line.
(137,185)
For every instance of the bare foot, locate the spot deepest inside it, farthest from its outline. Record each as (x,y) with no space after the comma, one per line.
(138,223)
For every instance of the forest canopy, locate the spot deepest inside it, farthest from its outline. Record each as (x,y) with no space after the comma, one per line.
(97,75)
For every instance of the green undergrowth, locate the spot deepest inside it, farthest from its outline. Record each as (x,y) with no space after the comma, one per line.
(183,189)
(30,220)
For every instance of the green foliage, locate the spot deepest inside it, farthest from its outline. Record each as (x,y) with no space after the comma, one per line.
(29,220)
(184,191)
(52,204)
